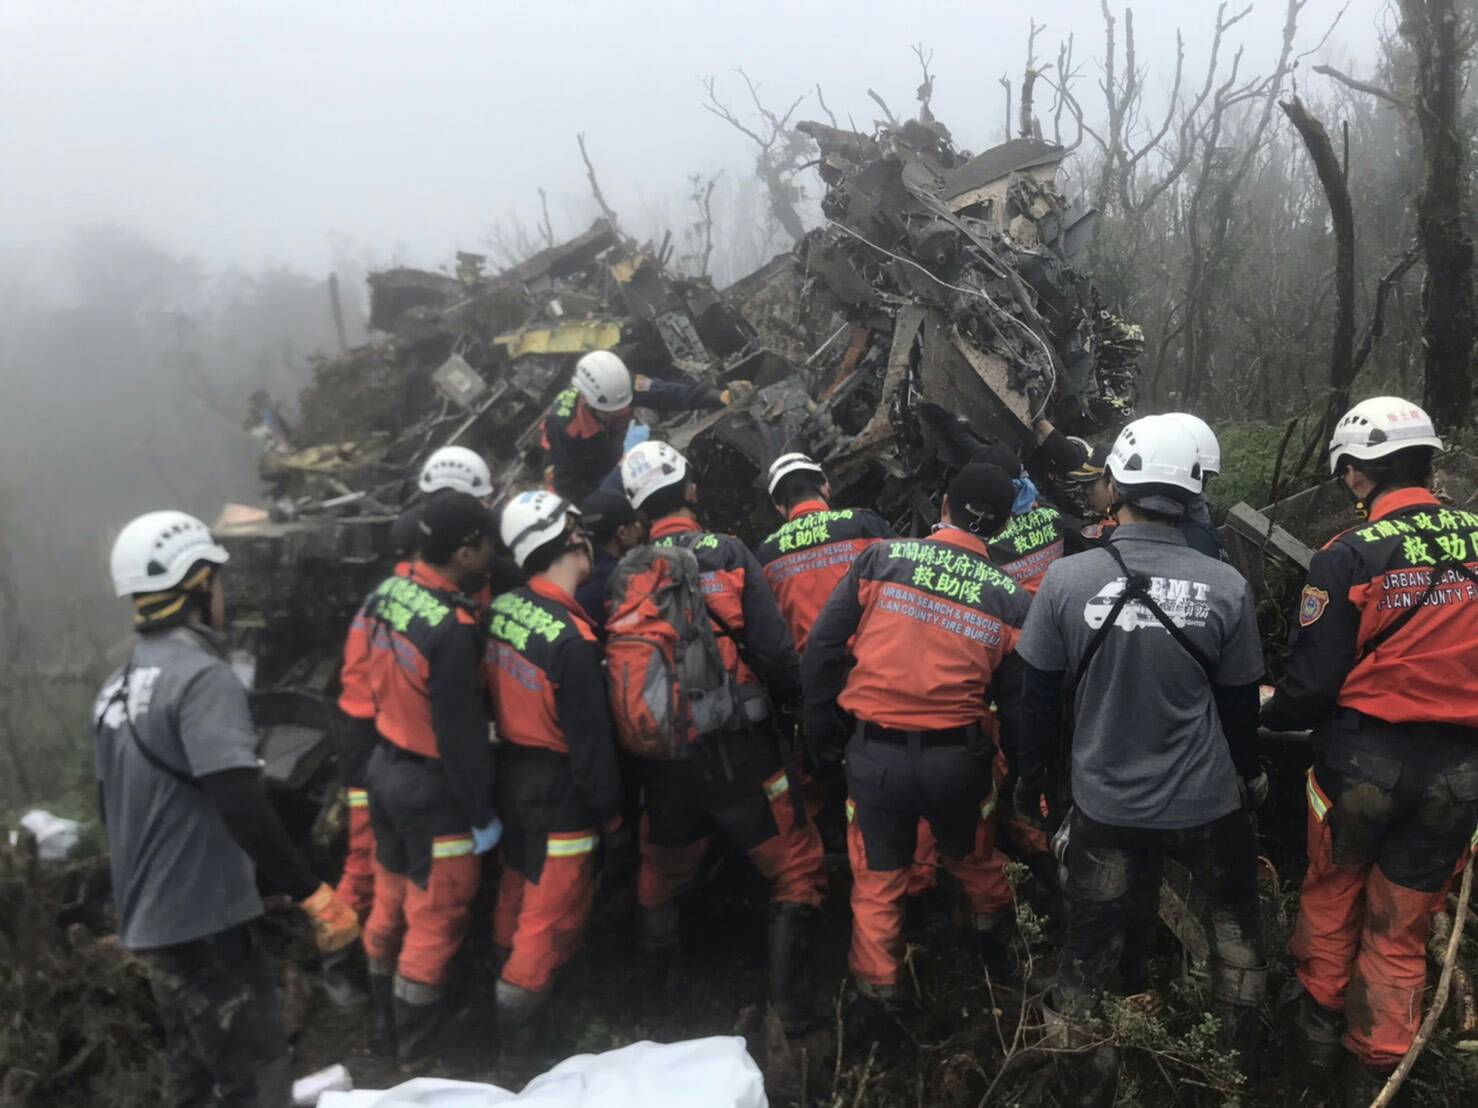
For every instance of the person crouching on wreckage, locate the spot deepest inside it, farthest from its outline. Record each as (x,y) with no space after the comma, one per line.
(190,826)
(584,431)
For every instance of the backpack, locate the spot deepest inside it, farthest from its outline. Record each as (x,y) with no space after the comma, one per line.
(668,682)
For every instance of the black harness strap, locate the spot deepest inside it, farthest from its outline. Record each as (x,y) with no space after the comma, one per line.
(120,697)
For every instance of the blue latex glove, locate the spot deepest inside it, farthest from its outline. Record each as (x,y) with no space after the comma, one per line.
(485,838)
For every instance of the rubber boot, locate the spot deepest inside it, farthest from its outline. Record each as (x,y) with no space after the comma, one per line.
(1360,1084)
(1084,1078)
(420,1011)
(661,947)
(1237,1007)
(793,966)
(520,1021)
(382,996)
(993,942)
(1316,1027)
(873,1018)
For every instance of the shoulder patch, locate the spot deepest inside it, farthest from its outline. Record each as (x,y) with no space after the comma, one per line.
(1311,606)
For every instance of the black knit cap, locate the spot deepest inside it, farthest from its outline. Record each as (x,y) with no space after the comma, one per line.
(998,454)
(451,521)
(980,497)
(603,511)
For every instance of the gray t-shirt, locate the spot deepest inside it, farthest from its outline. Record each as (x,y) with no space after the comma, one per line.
(1148,748)
(177,873)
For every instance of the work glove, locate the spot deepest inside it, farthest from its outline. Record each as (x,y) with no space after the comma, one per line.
(485,838)
(737,393)
(1026,800)
(623,855)
(335,925)
(1254,791)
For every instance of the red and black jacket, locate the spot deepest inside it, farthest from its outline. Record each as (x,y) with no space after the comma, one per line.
(422,669)
(1361,582)
(580,450)
(1029,544)
(810,553)
(543,671)
(934,622)
(742,607)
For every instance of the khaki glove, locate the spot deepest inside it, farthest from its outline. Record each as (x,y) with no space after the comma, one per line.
(335,925)
(737,392)
(1255,792)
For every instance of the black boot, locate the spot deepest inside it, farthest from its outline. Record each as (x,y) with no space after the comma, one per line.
(793,966)
(382,996)
(1360,1084)
(1237,1007)
(520,1022)
(993,942)
(420,1011)
(1316,1027)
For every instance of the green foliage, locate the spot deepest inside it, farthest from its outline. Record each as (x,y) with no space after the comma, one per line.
(1248,453)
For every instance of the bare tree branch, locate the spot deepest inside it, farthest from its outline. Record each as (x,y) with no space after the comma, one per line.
(595,184)
(1362,86)
(887,112)
(926,87)
(820,99)
(547,228)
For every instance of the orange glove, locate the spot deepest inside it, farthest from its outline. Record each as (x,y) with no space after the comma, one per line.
(335,925)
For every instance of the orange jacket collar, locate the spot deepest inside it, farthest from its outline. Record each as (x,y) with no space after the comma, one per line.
(806,507)
(673,525)
(1402,498)
(955,536)
(550,591)
(422,574)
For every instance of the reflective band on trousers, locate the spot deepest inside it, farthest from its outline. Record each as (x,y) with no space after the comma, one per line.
(851,810)
(1317,800)
(452,846)
(567,846)
(989,807)
(778,785)
(358,798)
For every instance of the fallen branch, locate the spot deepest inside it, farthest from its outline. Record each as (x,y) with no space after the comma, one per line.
(1439,1001)
(600,198)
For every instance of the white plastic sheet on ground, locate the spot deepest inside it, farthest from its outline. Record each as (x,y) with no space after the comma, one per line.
(56,837)
(700,1073)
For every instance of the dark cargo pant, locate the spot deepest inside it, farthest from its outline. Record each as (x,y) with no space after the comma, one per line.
(1113,882)
(217,997)
(1392,809)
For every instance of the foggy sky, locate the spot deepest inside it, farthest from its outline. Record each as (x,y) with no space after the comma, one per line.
(250,133)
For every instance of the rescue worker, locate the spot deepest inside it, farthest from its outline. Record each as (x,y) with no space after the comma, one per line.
(815,547)
(1036,534)
(584,431)
(1200,533)
(430,776)
(1094,493)
(613,528)
(737,782)
(190,827)
(450,469)
(559,783)
(935,624)
(1156,649)
(1383,667)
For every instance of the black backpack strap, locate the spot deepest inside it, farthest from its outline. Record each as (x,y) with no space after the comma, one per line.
(120,697)
(1136,587)
(1381,637)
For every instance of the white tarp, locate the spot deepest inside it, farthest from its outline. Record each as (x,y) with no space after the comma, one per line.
(56,837)
(700,1073)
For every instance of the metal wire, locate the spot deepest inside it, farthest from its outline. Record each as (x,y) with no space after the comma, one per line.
(966,290)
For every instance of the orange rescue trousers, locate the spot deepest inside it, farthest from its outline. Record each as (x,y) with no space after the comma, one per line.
(416,931)
(744,793)
(357,881)
(896,787)
(541,920)
(1385,838)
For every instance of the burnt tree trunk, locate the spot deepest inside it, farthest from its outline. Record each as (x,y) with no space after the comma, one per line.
(1439,38)
(1342,215)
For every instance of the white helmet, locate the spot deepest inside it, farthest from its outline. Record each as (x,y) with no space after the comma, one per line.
(1379,426)
(456,467)
(1155,462)
(602,379)
(532,519)
(155,552)
(783,466)
(1207,448)
(648,467)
